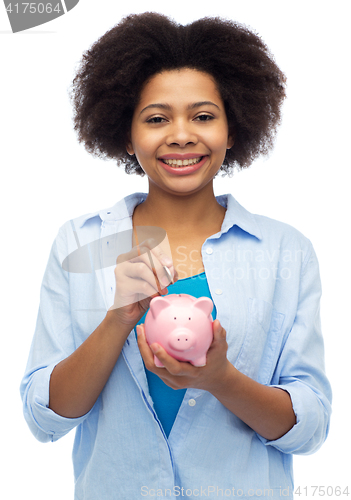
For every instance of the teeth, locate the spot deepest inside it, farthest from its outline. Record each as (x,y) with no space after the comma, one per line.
(183,163)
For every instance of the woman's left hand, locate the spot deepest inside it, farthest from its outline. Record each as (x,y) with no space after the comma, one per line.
(182,375)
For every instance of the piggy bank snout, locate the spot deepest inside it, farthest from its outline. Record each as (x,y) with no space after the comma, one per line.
(182,339)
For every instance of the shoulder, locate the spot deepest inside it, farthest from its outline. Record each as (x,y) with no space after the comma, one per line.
(277,230)
(292,247)
(264,228)
(264,233)
(118,213)
(86,228)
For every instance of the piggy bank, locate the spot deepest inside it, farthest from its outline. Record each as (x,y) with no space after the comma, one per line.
(182,325)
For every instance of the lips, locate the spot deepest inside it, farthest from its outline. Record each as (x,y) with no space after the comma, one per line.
(179,156)
(182,164)
(174,162)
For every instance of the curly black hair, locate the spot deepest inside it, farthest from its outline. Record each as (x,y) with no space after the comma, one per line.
(112,73)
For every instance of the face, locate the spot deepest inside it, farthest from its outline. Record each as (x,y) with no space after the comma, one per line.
(179,131)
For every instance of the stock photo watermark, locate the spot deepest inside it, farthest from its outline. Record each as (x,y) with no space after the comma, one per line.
(300,491)
(206,491)
(26,15)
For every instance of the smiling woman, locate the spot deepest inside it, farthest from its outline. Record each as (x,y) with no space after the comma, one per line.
(180,104)
(113,72)
(180,119)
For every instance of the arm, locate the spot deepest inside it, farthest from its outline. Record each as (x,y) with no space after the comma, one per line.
(292,412)
(267,410)
(77,381)
(62,382)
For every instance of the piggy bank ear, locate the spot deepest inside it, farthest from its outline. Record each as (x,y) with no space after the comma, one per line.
(205,304)
(157,305)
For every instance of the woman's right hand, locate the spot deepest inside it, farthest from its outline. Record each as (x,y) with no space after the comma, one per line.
(136,283)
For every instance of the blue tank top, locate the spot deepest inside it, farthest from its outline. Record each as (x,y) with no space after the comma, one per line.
(167,400)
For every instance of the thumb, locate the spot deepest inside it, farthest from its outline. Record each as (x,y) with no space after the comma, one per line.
(219,332)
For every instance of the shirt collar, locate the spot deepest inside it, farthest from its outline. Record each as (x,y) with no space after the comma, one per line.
(123,209)
(236,214)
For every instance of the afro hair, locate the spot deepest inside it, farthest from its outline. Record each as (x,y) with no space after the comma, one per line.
(112,73)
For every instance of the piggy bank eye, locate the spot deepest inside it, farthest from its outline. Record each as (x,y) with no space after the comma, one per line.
(189,318)
(174,318)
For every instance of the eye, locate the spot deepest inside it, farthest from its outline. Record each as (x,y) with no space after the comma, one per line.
(204,118)
(155,119)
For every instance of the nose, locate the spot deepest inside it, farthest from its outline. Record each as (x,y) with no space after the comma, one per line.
(181,134)
(181,340)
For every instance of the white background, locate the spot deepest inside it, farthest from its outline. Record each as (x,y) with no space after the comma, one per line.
(48,178)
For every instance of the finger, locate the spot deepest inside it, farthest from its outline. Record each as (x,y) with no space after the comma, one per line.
(219,343)
(150,252)
(219,333)
(162,265)
(159,263)
(172,365)
(136,282)
(175,275)
(137,272)
(144,348)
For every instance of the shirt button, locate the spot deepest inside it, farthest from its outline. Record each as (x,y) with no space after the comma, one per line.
(192,402)
(209,251)
(218,291)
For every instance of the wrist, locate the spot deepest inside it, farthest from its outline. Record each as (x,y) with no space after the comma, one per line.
(225,381)
(114,323)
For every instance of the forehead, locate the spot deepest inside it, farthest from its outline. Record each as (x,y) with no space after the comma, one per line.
(178,86)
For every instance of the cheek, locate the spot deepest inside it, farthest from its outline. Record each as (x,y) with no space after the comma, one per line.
(217,136)
(144,144)
(220,141)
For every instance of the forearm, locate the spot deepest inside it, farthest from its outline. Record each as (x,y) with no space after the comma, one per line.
(267,410)
(77,381)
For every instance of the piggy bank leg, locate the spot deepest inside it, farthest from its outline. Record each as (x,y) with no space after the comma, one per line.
(199,361)
(158,362)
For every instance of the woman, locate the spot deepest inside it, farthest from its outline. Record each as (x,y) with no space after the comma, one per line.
(179,104)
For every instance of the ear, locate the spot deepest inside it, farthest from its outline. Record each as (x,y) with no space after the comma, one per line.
(129,146)
(231,140)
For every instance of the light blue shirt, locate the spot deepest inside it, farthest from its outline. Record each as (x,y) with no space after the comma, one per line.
(264,280)
(167,400)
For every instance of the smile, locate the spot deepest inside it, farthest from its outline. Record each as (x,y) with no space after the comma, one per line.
(185,166)
(182,163)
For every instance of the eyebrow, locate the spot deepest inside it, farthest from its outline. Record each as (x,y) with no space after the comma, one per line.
(169,108)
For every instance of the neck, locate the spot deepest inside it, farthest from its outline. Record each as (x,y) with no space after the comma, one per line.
(176,213)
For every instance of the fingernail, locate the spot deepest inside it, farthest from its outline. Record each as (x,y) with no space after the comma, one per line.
(155,348)
(168,275)
(164,281)
(166,260)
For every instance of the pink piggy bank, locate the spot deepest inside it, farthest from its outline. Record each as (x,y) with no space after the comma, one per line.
(182,325)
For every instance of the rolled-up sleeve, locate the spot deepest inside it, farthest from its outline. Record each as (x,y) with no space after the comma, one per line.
(301,370)
(53,341)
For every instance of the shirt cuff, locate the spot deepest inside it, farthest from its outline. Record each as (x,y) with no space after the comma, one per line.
(312,421)
(45,424)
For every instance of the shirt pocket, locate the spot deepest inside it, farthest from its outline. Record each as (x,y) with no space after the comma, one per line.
(263,339)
